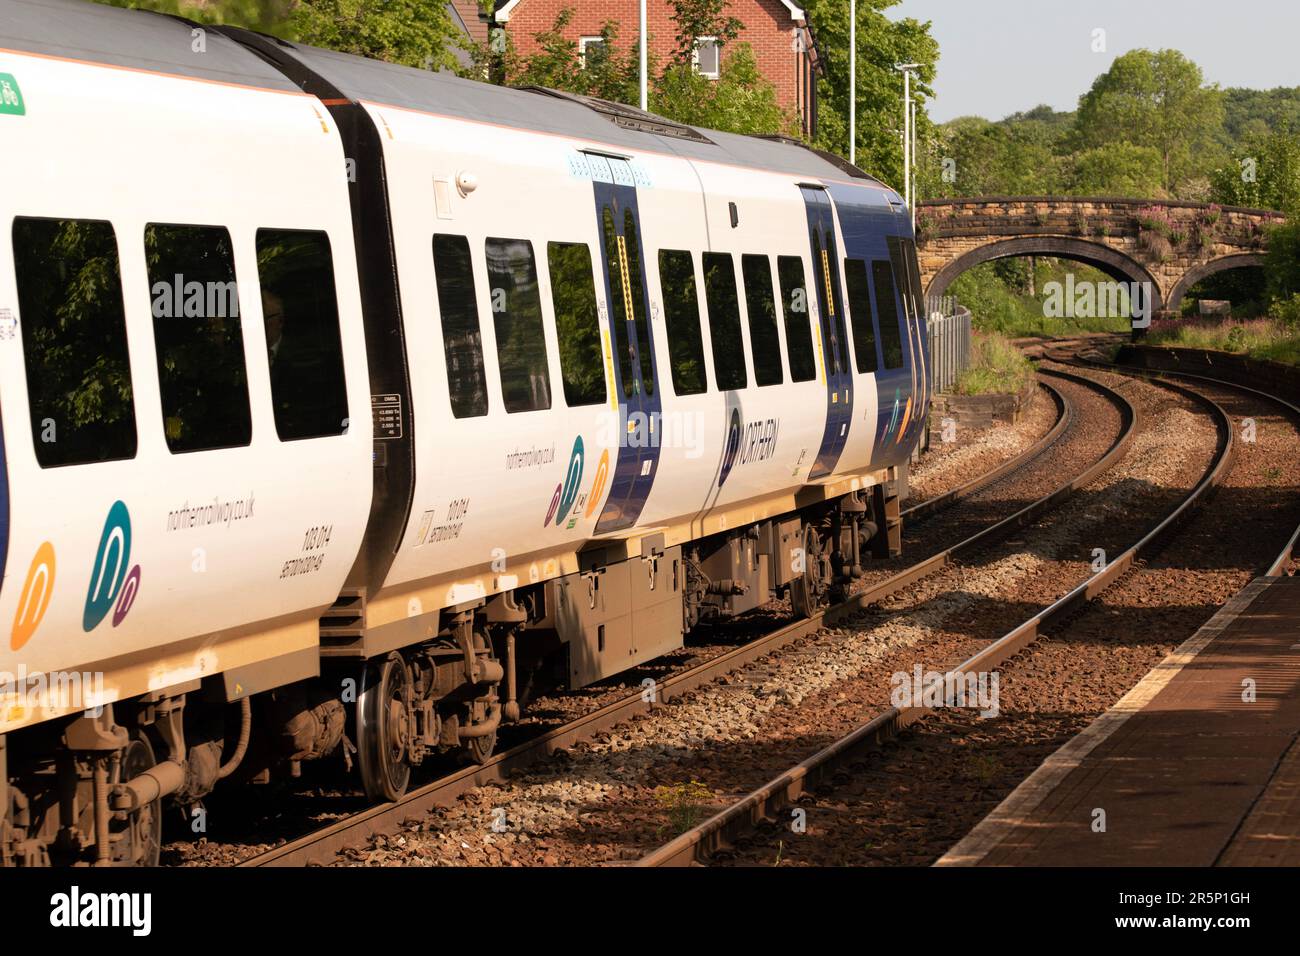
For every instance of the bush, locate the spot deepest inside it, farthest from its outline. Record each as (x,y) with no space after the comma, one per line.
(1272,339)
(1287,311)
(996,366)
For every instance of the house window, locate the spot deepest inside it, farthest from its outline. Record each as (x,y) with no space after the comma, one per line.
(593,47)
(708,57)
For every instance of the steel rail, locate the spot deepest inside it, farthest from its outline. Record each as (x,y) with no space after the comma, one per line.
(1064,415)
(722,829)
(321,845)
(1289,551)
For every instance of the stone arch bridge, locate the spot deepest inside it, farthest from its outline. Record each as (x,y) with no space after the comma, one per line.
(1172,245)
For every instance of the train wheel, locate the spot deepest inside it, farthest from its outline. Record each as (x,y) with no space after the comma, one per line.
(479,749)
(136,837)
(808,590)
(383,728)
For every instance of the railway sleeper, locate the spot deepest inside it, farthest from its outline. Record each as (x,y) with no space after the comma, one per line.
(89,789)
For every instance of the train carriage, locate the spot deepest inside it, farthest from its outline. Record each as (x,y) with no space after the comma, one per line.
(341,398)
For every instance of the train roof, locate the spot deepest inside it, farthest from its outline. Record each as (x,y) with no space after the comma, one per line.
(135,39)
(550,111)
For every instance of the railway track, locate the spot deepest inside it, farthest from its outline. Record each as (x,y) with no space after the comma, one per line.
(762,807)
(322,845)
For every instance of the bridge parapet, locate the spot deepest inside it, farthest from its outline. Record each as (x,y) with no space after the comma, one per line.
(1172,245)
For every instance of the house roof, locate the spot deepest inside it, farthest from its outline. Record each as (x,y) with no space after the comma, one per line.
(502,10)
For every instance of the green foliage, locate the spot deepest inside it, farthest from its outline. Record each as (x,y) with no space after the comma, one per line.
(685,804)
(995,366)
(1117,169)
(997,294)
(1001,159)
(740,100)
(882,43)
(701,18)
(268,16)
(1158,100)
(1282,260)
(1274,340)
(1254,113)
(608,71)
(412,32)
(1263,172)
(1287,311)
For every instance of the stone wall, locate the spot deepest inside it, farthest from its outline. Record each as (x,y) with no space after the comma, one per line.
(1172,245)
(1274,377)
(977,411)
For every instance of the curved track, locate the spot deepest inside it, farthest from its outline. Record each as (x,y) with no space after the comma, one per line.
(699,843)
(320,846)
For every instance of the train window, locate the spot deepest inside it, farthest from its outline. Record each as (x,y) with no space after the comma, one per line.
(891,337)
(462,342)
(577,322)
(303,345)
(682,314)
(724,321)
(637,284)
(798,333)
(760,302)
(618,296)
(859,296)
(517,321)
(198,336)
(74,341)
(832,324)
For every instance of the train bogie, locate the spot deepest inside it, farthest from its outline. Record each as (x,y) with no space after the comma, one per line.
(344,415)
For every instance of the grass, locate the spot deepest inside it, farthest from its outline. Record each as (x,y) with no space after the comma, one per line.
(996,294)
(995,366)
(686,804)
(1268,339)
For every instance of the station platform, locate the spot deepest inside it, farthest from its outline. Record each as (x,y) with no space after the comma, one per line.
(1187,768)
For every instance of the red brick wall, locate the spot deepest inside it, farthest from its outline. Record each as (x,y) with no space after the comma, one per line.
(468,10)
(767,28)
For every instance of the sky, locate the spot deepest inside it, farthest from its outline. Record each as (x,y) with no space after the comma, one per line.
(998,57)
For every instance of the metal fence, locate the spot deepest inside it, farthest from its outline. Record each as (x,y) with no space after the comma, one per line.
(949,328)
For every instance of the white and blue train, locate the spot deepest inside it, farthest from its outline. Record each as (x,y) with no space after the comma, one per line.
(341,398)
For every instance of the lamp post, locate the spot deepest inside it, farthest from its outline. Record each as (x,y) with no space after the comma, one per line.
(853,81)
(909,135)
(645,86)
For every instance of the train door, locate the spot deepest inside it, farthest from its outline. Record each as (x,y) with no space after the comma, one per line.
(902,255)
(4,490)
(636,386)
(831,328)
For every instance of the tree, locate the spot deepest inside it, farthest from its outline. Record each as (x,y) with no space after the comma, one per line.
(1158,100)
(605,71)
(980,158)
(412,32)
(1254,113)
(1282,261)
(268,16)
(740,100)
(1263,172)
(882,44)
(1120,169)
(701,18)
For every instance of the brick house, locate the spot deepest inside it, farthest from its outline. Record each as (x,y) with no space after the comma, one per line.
(777,30)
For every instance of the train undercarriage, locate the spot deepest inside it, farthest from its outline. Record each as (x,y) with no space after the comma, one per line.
(91,789)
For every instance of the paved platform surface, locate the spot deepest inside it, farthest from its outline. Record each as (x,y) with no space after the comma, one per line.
(1187,768)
